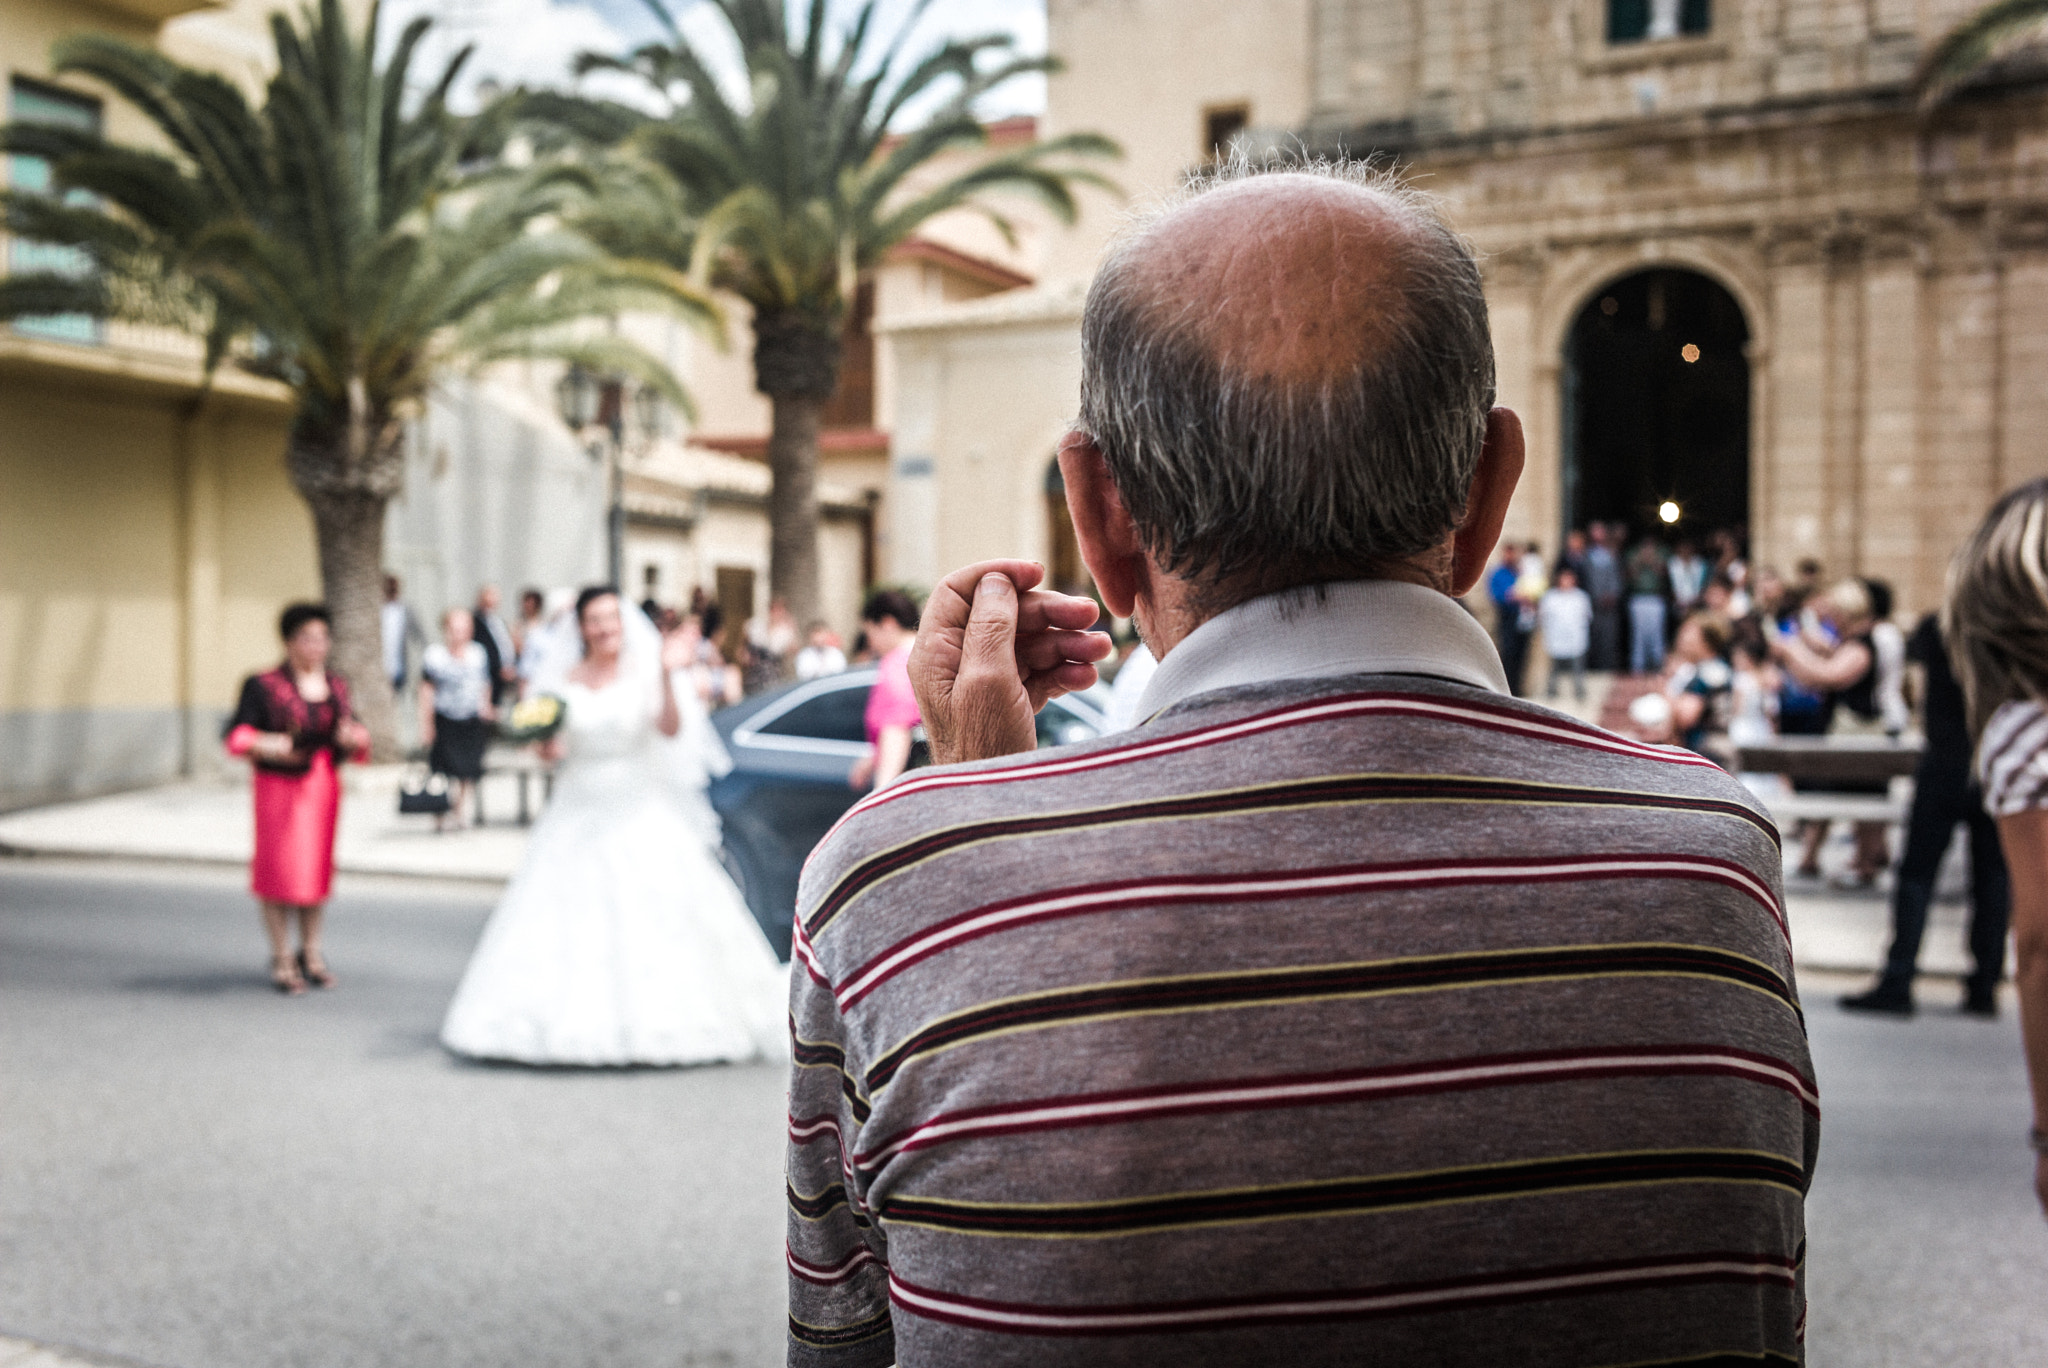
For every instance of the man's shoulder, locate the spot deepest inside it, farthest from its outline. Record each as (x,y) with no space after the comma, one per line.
(1235,742)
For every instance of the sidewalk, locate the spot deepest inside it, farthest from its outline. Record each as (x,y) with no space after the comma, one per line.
(21,1353)
(210,822)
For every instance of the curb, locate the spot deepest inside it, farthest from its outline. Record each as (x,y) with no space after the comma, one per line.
(17,1352)
(143,860)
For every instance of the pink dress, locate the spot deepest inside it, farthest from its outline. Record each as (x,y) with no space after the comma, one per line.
(296,806)
(891,703)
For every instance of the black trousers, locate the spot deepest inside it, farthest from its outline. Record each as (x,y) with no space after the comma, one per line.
(1943,799)
(1514,652)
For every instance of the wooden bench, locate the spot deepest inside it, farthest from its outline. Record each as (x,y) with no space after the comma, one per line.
(1826,760)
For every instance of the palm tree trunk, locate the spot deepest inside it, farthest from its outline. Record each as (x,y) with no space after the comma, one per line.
(348,472)
(349,527)
(796,364)
(793,505)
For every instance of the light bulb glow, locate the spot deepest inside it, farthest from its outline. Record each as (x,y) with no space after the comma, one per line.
(1690,352)
(1668,511)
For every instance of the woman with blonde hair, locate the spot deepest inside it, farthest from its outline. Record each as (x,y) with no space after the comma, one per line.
(1839,662)
(1996,623)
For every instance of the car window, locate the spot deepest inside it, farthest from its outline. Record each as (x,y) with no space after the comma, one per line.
(1058,727)
(834,715)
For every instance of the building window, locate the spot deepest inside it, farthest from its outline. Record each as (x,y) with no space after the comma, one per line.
(35,103)
(1220,126)
(1637,21)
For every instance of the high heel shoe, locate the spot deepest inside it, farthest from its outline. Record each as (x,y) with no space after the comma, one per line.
(285,977)
(321,977)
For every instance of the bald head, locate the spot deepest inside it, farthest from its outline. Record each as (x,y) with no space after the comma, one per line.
(1285,277)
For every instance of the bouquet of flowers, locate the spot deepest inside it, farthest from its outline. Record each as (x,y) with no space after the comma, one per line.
(534,719)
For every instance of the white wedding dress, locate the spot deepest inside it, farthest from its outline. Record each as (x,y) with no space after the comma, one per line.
(621,940)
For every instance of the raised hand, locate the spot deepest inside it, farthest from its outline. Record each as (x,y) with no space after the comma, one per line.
(991,650)
(678,651)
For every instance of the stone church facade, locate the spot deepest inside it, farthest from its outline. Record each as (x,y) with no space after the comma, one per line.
(1883,276)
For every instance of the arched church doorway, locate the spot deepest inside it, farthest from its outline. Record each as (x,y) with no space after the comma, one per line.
(1656,407)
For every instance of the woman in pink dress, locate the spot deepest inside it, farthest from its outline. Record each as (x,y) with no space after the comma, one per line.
(295,724)
(891,622)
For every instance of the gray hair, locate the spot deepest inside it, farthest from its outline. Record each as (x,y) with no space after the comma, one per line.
(1284,483)
(1995,614)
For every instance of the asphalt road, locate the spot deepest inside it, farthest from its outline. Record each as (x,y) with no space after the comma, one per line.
(196,1173)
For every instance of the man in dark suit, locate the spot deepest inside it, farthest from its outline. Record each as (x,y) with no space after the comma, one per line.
(1945,796)
(495,637)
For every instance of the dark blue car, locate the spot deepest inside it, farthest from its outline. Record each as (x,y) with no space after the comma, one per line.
(792,749)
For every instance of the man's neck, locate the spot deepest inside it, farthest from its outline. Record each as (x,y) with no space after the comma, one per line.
(1169,608)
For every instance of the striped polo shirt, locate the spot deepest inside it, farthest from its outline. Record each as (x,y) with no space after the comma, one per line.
(1348,1018)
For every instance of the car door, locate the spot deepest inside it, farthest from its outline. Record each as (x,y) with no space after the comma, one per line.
(791,758)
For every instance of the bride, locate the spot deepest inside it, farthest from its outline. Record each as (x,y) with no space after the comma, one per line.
(621,940)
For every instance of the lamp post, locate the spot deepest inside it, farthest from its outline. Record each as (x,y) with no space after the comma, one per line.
(582,399)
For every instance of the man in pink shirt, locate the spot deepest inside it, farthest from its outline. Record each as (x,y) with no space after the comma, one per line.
(891,622)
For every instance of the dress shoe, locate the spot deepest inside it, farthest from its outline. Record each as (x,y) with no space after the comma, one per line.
(1981,1002)
(1883,998)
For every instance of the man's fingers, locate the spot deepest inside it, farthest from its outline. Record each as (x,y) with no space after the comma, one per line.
(1048,650)
(990,641)
(1045,685)
(1044,609)
(951,602)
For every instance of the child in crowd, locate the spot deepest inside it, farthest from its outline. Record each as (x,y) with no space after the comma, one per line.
(1565,613)
(821,654)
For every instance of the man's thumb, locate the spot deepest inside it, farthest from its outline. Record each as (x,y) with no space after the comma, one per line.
(992,624)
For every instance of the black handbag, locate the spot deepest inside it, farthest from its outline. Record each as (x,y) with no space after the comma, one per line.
(422,790)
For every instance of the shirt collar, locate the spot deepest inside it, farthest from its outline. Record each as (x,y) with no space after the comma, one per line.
(1352,627)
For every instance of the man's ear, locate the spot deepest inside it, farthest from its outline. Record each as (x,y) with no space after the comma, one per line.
(1110,545)
(1486,507)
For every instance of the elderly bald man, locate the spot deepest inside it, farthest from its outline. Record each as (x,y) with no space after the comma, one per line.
(1347,1010)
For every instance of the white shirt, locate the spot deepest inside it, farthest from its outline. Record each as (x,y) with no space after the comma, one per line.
(1567,618)
(813,661)
(1127,690)
(1351,627)
(461,687)
(392,617)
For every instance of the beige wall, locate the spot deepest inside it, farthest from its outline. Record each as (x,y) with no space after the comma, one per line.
(1143,72)
(148,531)
(144,555)
(29,27)
(1450,67)
(986,391)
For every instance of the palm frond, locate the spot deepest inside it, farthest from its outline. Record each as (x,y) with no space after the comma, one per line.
(785,200)
(339,235)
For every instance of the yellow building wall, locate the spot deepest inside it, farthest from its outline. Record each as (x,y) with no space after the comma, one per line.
(144,555)
(149,534)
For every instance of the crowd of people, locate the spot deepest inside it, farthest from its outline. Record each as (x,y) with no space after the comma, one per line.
(485,660)
(581,961)
(1738,655)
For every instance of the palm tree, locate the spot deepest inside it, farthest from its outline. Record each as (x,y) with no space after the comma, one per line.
(342,238)
(787,195)
(1973,45)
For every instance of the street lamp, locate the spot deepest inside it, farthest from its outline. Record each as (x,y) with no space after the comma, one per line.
(1668,512)
(647,412)
(576,398)
(580,398)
